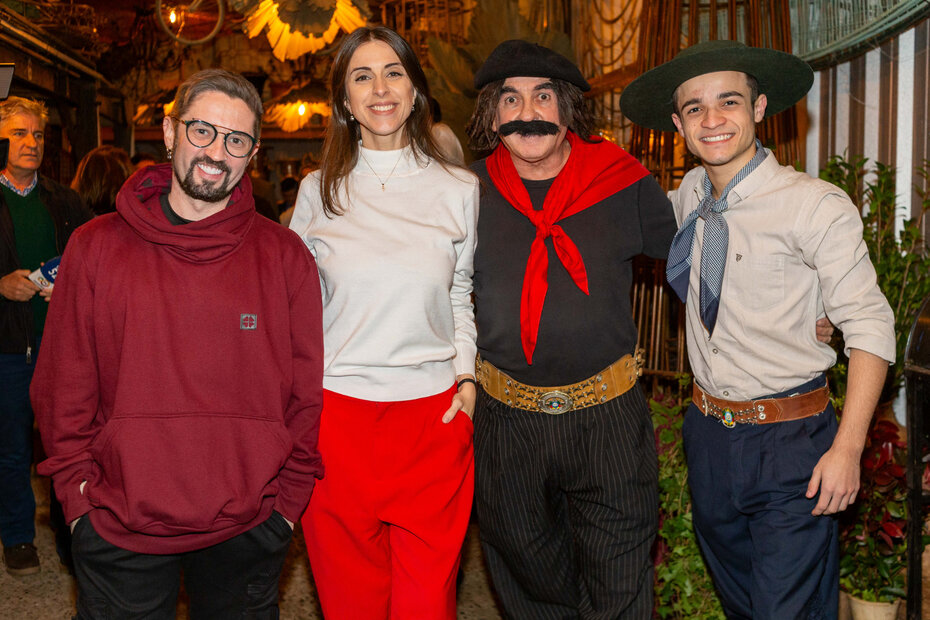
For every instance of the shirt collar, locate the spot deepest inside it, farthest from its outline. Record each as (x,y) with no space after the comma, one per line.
(6,182)
(742,190)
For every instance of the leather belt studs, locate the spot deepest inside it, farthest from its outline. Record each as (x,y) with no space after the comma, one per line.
(761,411)
(606,385)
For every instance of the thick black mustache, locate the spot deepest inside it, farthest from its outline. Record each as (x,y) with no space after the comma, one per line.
(528,128)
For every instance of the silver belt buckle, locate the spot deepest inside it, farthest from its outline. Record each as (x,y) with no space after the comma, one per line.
(555,402)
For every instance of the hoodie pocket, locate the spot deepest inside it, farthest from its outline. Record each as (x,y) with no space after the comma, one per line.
(166,476)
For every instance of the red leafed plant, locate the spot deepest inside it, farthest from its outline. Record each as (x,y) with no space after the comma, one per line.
(872,531)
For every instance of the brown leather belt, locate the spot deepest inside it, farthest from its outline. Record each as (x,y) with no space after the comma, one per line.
(762,411)
(602,387)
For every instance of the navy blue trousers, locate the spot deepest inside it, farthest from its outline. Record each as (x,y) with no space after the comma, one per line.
(770,559)
(17,503)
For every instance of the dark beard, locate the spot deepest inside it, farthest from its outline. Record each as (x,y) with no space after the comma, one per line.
(528,128)
(207,192)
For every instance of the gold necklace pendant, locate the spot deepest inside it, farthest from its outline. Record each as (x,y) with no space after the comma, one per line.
(388,178)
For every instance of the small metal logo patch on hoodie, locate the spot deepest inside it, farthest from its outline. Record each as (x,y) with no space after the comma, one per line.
(248,321)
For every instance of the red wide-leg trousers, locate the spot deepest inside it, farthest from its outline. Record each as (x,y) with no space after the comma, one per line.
(385,525)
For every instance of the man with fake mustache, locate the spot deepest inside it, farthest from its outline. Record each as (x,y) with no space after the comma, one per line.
(180,383)
(565,460)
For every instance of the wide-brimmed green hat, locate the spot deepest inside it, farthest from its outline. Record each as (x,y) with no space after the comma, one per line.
(783,79)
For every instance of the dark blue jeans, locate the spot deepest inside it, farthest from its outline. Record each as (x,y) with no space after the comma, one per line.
(769,557)
(17,502)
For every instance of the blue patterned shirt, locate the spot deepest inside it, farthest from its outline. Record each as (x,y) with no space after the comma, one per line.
(6,182)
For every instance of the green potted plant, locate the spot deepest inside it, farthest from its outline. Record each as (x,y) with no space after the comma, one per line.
(873,550)
(901,260)
(683,588)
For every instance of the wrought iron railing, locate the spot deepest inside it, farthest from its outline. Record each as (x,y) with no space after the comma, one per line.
(825,32)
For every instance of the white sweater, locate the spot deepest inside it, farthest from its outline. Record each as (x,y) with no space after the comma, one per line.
(396,274)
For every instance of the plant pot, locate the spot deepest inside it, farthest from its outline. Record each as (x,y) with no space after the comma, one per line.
(868,610)
(844,613)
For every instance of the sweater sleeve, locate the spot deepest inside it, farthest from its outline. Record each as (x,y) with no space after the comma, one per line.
(302,416)
(64,387)
(656,218)
(463,312)
(307,195)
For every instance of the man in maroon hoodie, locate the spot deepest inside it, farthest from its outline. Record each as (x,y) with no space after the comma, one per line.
(179,387)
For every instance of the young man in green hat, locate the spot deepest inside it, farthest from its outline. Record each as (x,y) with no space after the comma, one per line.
(772,249)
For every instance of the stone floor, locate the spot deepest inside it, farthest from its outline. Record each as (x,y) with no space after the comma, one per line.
(50,594)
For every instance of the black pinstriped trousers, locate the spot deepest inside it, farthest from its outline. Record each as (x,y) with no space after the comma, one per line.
(568,508)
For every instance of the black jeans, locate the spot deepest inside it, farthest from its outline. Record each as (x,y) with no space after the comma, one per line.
(237,578)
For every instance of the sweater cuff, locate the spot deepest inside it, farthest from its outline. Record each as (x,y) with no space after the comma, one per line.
(292,506)
(74,504)
(67,484)
(464,361)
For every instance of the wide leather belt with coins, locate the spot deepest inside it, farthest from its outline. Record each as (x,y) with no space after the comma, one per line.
(601,388)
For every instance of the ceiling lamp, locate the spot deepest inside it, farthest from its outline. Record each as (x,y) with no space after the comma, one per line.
(297,27)
(294,110)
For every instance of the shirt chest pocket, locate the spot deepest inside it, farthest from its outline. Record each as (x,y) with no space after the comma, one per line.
(755,282)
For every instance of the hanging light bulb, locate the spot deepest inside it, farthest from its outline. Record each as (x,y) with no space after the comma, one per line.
(173,16)
(299,107)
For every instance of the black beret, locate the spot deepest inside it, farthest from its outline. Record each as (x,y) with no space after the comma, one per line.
(517,58)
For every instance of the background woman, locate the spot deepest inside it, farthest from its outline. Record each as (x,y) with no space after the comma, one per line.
(392,225)
(99,176)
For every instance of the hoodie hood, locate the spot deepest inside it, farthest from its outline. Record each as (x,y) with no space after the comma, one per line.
(206,240)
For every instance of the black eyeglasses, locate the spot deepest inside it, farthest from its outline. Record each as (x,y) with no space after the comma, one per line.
(202,134)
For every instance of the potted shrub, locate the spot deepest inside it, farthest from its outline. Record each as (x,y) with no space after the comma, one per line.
(901,260)
(683,588)
(873,551)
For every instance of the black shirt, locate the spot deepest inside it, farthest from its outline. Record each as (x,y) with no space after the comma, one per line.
(579,334)
(170,213)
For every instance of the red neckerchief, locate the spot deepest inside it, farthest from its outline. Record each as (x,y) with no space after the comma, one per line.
(593,172)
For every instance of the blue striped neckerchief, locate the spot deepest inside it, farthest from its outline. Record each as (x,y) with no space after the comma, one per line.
(714,250)
(6,182)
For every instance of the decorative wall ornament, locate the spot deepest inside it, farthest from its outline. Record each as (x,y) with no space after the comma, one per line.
(298,27)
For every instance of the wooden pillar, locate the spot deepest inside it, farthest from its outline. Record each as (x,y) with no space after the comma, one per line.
(84,128)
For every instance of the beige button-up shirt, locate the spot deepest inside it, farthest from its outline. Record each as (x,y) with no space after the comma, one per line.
(795,253)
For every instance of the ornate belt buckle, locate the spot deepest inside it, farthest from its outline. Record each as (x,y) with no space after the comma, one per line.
(728,418)
(555,402)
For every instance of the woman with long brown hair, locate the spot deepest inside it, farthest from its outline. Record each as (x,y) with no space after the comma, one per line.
(100,174)
(391,223)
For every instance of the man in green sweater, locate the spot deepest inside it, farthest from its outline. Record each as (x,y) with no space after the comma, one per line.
(37,215)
